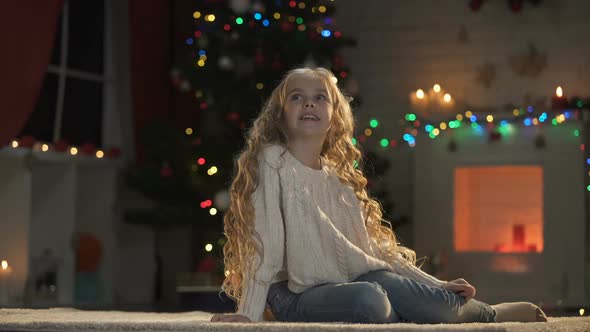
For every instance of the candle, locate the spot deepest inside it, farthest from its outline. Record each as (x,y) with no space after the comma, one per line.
(558,101)
(419,100)
(5,272)
(518,238)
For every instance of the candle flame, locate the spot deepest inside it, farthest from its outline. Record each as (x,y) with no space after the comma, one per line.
(436,88)
(4,264)
(559,92)
(582,312)
(447,98)
(420,93)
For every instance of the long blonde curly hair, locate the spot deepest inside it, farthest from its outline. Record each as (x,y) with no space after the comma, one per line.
(338,151)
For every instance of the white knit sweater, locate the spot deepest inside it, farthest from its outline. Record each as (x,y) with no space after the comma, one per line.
(312,232)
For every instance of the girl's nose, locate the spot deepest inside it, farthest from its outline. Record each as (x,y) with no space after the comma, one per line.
(309,103)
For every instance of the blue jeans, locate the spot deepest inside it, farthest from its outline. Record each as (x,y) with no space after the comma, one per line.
(376,297)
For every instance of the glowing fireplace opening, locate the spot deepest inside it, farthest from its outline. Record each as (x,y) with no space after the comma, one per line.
(498,209)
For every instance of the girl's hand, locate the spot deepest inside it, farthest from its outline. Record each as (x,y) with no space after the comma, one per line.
(230,318)
(461,287)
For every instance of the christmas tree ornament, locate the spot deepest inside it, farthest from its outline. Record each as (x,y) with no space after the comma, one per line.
(225,63)
(258,7)
(259,57)
(185,86)
(239,6)
(221,200)
(203,42)
(175,73)
(166,171)
(352,86)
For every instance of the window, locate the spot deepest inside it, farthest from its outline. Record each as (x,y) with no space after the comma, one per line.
(71,101)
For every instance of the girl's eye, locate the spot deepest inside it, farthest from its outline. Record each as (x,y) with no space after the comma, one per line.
(295,97)
(322,97)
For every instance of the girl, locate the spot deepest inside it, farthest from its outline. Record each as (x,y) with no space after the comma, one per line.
(304,237)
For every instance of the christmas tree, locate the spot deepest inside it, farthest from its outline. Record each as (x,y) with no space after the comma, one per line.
(230,56)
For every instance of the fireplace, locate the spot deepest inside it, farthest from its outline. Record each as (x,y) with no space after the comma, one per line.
(508,216)
(498,209)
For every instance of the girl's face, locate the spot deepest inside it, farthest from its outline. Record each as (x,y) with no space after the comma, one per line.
(308,108)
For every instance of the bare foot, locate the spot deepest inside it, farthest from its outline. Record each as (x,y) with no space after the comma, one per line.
(518,312)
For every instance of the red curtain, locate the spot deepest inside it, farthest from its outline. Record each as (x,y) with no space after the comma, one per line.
(150,61)
(27,31)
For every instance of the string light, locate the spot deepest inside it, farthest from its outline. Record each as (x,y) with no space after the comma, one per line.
(73,151)
(15,144)
(410,116)
(213,211)
(368,132)
(208,247)
(189,131)
(239,20)
(197,14)
(212,170)
(373,123)
(99,154)
(44,147)
(201,161)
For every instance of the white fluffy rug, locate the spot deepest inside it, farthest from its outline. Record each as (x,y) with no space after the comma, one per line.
(65,319)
